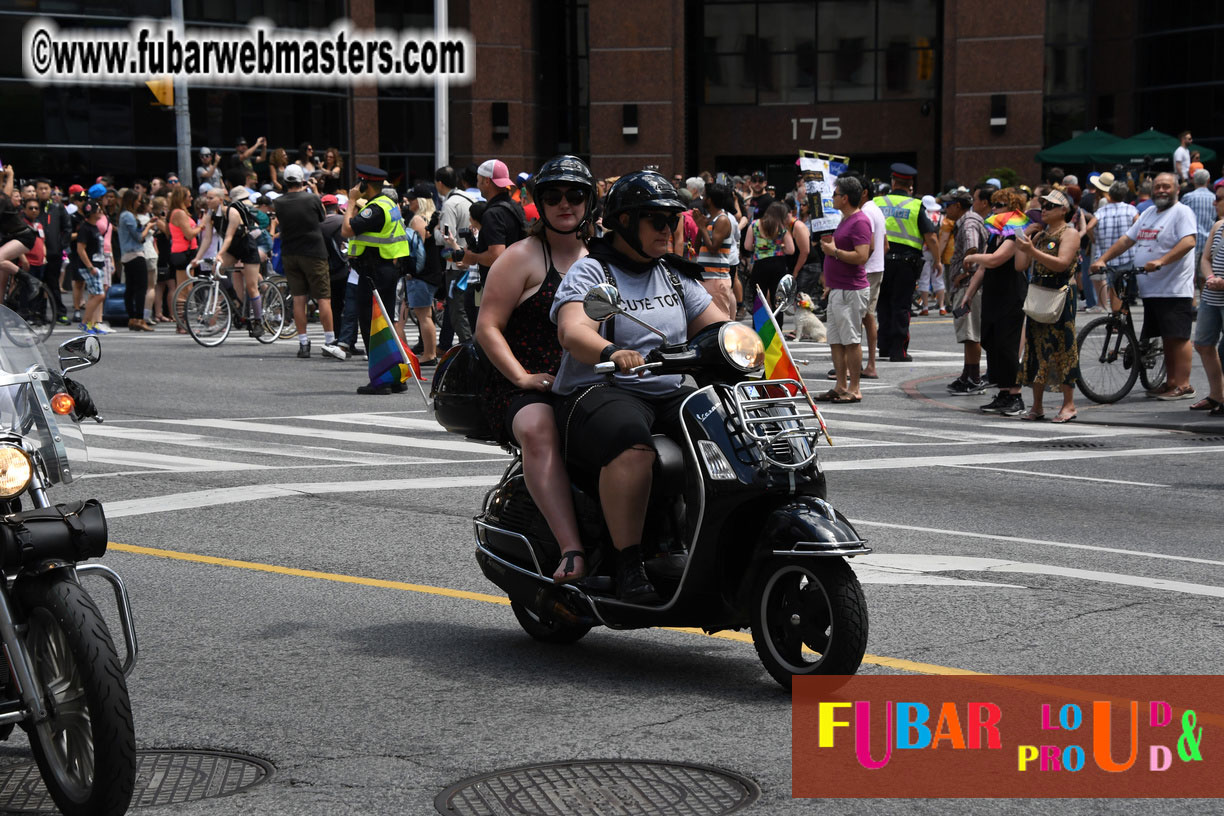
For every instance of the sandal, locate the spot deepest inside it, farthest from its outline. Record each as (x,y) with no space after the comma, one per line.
(1032,416)
(1206,404)
(1062,420)
(828,396)
(569,573)
(1217,411)
(845,398)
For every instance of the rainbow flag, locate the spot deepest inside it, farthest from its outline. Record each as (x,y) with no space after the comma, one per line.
(778,362)
(1008,223)
(390,362)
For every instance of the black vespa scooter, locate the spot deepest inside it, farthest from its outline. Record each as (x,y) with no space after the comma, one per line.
(738,532)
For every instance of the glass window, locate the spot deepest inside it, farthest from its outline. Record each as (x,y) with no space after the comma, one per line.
(729,80)
(1066,69)
(728,26)
(906,73)
(786,26)
(907,21)
(846,21)
(787,79)
(845,76)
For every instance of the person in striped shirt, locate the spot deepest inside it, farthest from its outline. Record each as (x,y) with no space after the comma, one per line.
(1210,324)
(716,246)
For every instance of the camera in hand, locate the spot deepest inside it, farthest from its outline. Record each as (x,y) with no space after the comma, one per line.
(466,235)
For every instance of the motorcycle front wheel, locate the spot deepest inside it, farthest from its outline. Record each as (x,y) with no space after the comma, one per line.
(86,748)
(809,616)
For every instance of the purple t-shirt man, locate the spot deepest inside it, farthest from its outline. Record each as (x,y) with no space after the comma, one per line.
(851,232)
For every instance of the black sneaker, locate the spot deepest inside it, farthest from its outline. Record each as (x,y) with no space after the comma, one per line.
(963,387)
(381,390)
(632,585)
(995,406)
(1014,406)
(304,350)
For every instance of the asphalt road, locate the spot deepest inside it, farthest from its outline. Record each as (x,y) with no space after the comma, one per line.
(300,563)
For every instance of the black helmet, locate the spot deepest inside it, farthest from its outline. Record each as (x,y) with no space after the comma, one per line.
(570,171)
(644,190)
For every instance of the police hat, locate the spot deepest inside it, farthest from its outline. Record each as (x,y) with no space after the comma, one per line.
(903,171)
(367,172)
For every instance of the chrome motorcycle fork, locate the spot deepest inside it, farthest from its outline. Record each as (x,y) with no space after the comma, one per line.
(21,666)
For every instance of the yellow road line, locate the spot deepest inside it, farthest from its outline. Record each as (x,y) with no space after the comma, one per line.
(741,637)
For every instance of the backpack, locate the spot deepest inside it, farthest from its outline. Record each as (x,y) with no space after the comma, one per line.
(415,264)
(514,209)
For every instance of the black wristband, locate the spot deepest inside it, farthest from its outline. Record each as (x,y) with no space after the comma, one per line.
(608,350)
(459,258)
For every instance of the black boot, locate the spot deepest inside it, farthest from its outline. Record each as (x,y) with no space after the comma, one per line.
(631,581)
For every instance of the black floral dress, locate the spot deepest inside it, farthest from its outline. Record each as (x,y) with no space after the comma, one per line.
(532,338)
(1050,352)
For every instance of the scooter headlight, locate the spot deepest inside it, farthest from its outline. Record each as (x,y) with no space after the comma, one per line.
(16,471)
(741,346)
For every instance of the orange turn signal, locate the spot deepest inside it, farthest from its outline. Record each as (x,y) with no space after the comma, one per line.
(62,403)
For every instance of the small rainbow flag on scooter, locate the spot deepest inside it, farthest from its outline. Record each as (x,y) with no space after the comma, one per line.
(779,365)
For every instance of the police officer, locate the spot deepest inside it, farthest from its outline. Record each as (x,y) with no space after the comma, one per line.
(908,229)
(377,242)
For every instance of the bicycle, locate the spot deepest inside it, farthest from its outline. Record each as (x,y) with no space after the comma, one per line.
(312,308)
(31,298)
(212,309)
(1111,357)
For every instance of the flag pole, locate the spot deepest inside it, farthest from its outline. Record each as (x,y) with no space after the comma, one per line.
(403,351)
(802,385)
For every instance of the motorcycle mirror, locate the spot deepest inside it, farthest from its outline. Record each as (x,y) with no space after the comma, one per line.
(784,296)
(601,302)
(79,352)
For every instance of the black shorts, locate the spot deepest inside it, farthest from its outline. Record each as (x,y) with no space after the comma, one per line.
(164,273)
(1169,317)
(180,260)
(600,422)
(520,401)
(27,236)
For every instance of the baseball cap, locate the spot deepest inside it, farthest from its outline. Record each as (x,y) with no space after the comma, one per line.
(960,194)
(90,207)
(204,151)
(421,190)
(294,174)
(1058,198)
(495,171)
(995,182)
(522,178)
(1218,183)
(272,195)
(929,203)
(75,190)
(242,142)
(329,199)
(759,175)
(205,188)
(97,191)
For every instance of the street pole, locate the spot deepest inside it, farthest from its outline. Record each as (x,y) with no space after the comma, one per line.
(182,115)
(441,94)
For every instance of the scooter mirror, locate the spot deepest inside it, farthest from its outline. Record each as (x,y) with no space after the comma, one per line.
(785,292)
(601,302)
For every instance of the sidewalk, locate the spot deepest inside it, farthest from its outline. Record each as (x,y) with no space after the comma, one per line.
(1135,410)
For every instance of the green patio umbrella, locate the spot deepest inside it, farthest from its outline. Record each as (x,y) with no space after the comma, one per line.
(1078,149)
(1148,143)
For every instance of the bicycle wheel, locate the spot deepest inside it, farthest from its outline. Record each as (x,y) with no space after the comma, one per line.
(1152,363)
(1106,360)
(207,314)
(281,283)
(273,312)
(32,300)
(182,291)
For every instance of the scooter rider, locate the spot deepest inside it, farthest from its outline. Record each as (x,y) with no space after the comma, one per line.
(606,426)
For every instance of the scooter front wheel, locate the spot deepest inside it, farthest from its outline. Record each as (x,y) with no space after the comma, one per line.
(553,631)
(809,616)
(86,748)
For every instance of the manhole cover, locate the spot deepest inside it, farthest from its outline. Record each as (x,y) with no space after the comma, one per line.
(600,787)
(162,778)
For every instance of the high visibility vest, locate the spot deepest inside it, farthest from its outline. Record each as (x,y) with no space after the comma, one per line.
(901,219)
(391,240)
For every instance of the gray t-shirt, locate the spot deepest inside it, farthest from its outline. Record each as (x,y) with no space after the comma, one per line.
(1155,234)
(649,297)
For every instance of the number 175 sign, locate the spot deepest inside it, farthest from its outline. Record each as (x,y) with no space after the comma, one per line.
(806,128)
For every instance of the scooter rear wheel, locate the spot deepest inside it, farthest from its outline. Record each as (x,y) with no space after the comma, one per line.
(553,631)
(809,616)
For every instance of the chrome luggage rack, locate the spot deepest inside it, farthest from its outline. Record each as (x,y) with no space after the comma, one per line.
(777,417)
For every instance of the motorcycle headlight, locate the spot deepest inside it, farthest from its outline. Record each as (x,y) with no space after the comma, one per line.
(15,471)
(741,346)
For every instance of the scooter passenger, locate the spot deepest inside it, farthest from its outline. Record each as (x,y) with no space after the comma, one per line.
(515,332)
(606,425)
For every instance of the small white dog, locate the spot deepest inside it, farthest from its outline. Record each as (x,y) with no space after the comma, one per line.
(809,325)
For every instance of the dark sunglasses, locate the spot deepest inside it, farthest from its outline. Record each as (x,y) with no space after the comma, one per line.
(172,181)
(998,204)
(553,197)
(662,221)
(1049,206)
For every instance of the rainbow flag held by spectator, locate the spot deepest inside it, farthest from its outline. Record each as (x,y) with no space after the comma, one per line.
(1008,223)
(779,365)
(390,362)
